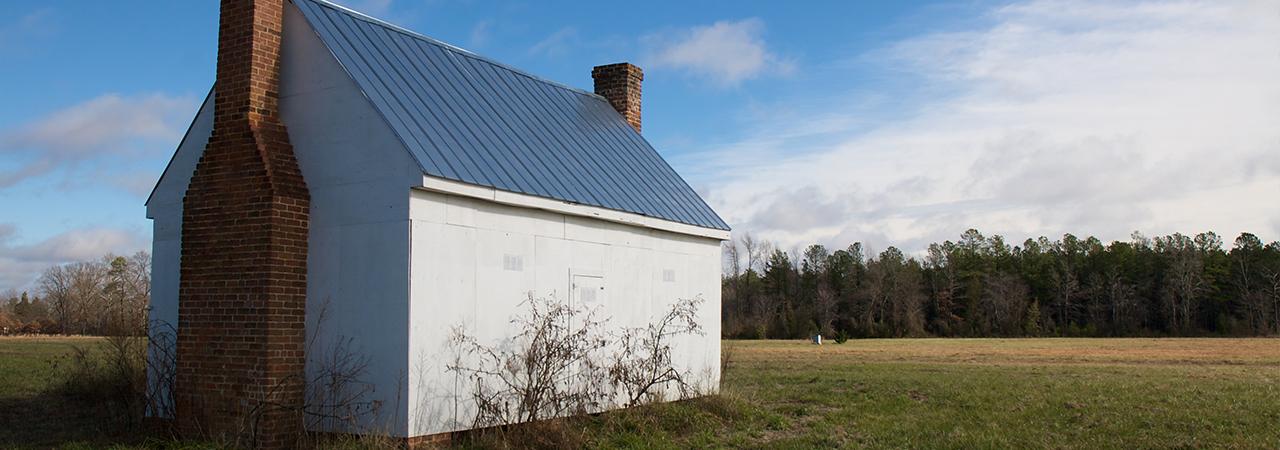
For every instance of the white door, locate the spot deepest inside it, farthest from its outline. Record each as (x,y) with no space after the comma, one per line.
(587,297)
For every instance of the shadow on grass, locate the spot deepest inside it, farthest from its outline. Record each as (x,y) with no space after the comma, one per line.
(53,420)
(690,423)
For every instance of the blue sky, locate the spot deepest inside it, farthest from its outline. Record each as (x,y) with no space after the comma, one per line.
(892,123)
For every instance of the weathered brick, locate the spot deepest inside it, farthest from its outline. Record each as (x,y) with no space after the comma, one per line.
(620,85)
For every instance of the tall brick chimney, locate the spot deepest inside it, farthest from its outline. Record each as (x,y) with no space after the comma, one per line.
(242,288)
(620,84)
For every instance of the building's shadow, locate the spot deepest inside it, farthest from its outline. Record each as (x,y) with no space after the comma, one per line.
(50,420)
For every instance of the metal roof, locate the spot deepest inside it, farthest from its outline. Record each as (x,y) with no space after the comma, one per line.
(470,119)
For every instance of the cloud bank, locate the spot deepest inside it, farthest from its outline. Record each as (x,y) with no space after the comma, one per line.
(93,135)
(1092,118)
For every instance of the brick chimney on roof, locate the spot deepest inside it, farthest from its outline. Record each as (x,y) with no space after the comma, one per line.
(242,288)
(620,84)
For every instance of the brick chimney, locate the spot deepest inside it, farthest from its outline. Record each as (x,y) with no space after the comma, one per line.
(620,84)
(242,288)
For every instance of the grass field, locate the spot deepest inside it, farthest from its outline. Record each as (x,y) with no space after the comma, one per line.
(931,393)
(1118,393)
(29,414)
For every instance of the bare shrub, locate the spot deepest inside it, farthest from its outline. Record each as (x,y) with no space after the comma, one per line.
(112,375)
(546,371)
(108,376)
(550,367)
(336,392)
(728,357)
(161,368)
(368,441)
(641,364)
(335,395)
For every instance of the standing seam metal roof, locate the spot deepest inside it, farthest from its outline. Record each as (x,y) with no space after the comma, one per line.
(469,119)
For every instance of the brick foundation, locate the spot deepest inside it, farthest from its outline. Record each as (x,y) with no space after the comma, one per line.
(242,289)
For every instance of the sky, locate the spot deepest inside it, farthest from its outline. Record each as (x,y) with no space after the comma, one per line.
(887,123)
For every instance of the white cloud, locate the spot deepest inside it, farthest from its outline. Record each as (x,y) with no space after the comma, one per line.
(21,264)
(1091,118)
(725,52)
(480,34)
(556,44)
(106,128)
(33,25)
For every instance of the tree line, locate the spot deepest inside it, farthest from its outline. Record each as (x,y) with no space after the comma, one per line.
(1175,285)
(108,296)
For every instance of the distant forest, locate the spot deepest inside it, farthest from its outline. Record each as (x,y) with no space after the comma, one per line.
(1174,285)
(107,296)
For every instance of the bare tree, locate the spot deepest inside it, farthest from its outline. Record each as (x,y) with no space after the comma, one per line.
(1125,311)
(1004,303)
(893,302)
(1185,280)
(138,280)
(88,285)
(55,287)
(732,258)
(731,308)
(1270,281)
(824,309)
(755,252)
(908,310)
(1249,280)
(945,286)
(1066,289)
(106,296)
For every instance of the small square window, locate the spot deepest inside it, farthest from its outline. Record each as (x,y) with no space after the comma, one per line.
(669,276)
(514,263)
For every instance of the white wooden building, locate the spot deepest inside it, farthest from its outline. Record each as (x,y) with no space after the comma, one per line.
(445,188)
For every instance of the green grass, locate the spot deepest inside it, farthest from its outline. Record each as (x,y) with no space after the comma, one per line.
(980,393)
(32,415)
(24,363)
(921,393)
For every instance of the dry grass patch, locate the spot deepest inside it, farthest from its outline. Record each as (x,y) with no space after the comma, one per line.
(1093,351)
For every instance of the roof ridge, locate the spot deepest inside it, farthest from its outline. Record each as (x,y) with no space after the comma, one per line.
(450,47)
